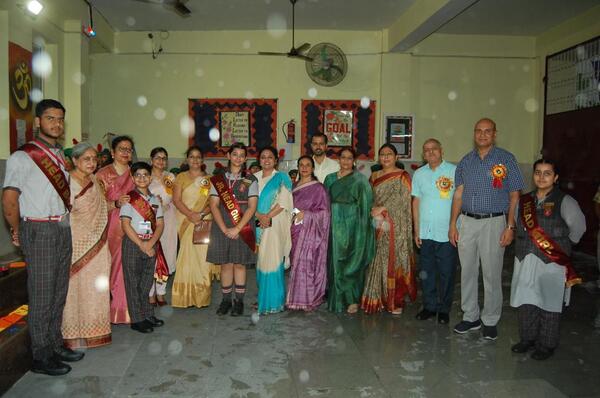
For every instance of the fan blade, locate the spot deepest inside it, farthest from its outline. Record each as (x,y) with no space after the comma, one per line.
(272,53)
(303,47)
(335,67)
(151,1)
(303,57)
(181,9)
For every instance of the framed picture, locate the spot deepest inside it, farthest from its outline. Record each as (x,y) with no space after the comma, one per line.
(250,121)
(338,127)
(344,122)
(399,131)
(235,127)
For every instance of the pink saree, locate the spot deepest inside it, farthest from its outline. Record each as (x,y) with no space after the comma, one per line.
(114,186)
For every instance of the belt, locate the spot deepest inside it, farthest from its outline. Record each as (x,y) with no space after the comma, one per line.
(45,219)
(479,216)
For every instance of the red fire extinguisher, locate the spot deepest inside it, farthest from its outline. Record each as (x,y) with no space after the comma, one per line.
(289,130)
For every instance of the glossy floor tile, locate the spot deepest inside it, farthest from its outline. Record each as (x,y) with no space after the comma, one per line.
(319,354)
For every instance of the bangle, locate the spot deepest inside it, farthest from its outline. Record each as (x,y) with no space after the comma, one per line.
(512,227)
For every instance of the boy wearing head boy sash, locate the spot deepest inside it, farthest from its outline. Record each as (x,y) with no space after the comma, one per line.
(142,223)
(36,203)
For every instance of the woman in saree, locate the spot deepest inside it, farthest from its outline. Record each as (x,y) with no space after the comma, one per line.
(191,286)
(351,243)
(310,235)
(116,182)
(274,214)
(391,274)
(86,320)
(162,186)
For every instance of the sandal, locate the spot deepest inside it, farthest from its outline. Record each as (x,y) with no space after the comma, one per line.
(161,300)
(352,309)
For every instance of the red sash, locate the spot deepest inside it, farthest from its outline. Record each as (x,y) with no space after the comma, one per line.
(141,205)
(53,168)
(546,244)
(233,209)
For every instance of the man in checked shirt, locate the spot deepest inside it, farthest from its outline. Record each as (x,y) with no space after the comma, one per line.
(482,224)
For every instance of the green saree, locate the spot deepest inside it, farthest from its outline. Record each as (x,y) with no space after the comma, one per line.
(351,240)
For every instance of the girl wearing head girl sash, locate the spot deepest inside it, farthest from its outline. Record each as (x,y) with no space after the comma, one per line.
(233,198)
(549,222)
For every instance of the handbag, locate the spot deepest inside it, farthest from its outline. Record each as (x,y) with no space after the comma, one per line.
(202,232)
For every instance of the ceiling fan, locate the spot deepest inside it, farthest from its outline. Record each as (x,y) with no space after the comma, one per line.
(176,5)
(295,52)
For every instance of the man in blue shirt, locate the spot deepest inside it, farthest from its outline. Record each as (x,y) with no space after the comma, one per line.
(432,190)
(488,181)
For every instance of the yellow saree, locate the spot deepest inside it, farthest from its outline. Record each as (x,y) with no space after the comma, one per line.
(194,274)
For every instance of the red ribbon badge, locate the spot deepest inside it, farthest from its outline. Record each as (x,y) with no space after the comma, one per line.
(499,174)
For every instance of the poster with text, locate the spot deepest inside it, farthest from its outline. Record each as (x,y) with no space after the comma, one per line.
(20,81)
(235,127)
(338,127)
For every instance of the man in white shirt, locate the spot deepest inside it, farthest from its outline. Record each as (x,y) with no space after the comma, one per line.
(323,165)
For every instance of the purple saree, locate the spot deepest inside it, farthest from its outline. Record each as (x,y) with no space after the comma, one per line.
(308,278)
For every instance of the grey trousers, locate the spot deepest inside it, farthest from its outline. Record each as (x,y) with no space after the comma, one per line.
(479,241)
(47,248)
(138,275)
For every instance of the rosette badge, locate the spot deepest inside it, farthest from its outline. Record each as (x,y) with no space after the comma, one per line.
(204,186)
(444,185)
(168,183)
(498,175)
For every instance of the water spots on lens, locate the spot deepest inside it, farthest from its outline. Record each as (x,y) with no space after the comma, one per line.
(160,114)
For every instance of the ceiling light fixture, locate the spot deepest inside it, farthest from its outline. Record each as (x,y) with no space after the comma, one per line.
(89,30)
(34,7)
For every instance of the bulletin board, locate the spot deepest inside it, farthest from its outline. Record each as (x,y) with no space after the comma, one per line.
(250,121)
(345,122)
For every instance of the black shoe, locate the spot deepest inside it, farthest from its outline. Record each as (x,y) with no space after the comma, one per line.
(238,308)
(466,326)
(224,307)
(142,327)
(68,355)
(490,332)
(522,346)
(425,314)
(155,322)
(542,353)
(50,366)
(443,318)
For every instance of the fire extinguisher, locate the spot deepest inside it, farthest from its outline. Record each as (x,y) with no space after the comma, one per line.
(289,131)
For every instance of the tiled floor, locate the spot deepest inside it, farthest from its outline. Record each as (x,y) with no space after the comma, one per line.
(320,354)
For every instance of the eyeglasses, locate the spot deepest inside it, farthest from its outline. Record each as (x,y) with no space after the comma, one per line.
(140,176)
(124,150)
(485,132)
(164,158)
